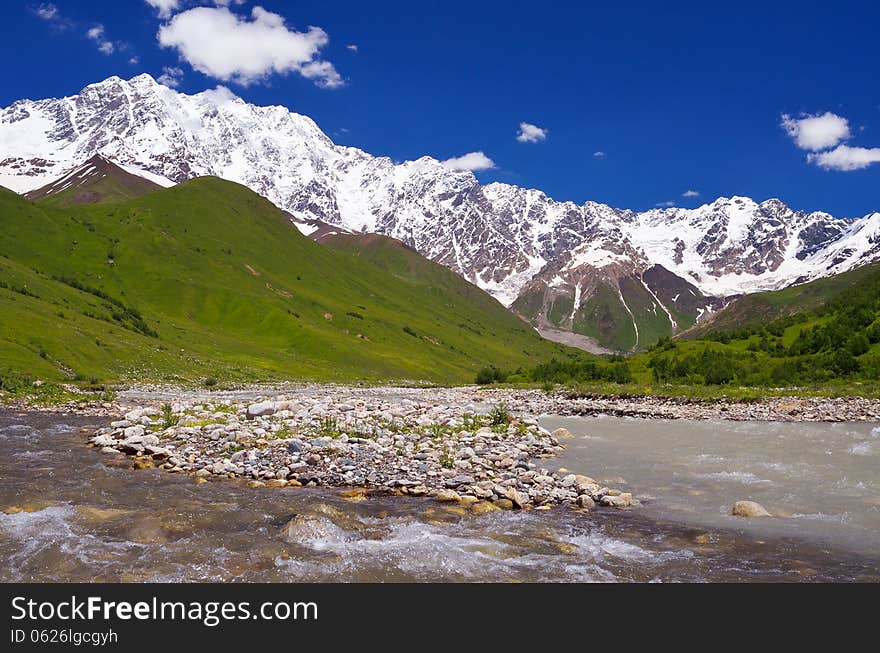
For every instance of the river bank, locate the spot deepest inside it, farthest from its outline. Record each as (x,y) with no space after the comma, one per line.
(529,401)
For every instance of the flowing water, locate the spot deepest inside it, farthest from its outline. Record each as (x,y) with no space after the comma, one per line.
(78,515)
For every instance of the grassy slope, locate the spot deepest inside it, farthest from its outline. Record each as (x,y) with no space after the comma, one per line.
(753,311)
(234,291)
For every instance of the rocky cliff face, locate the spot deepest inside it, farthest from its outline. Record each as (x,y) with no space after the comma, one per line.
(556,263)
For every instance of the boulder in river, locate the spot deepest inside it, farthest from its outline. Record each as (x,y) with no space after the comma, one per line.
(749,509)
(562,434)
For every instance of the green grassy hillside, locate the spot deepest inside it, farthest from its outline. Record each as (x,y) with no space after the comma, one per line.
(822,335)
(754,311)
(209,279)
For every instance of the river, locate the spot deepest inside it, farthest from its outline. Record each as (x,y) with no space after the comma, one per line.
(78,515)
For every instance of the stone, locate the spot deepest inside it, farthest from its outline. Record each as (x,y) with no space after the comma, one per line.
(448,496)
(301,527)
(461,479)
(503,504)
(260,409)
(622,500)
(519,499)
(294,446)
(133,432)
(749,509)
(562,434)
(587,488)
(584,501)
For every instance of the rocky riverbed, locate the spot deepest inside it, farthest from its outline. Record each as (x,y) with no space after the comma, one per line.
(478,455)
(532,402)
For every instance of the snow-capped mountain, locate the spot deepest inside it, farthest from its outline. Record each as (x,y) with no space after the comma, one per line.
(526,249)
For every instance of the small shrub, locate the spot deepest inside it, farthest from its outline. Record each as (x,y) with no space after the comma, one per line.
(500,416)
(489,375)
(410,331)
(329,427)
(210,382)
(167,417)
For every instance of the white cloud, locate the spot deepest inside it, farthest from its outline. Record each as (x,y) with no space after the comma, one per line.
(134,60)
(98,35)
(473,161)
(666,205)
(599,154)
(164,7)
(816,132)
(220,95)
(825,135)
(529,133)
(47,11)
(352,47)
(229,47)
(170,77)
(845,158)
(691,193)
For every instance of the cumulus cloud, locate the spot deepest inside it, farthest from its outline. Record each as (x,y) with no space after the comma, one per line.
(666,205)
(221,44)
(825,137)
(98,35)
(171,76)
(846,158)
(352,47)
(473,161)
(47,11)
(816,132)
(134,60)
(599,154)
(691,193)
(529,133)
(164,7)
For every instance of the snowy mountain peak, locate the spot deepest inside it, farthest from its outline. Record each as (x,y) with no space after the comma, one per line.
(499,236)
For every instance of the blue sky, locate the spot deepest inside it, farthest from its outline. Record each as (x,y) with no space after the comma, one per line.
(677,96)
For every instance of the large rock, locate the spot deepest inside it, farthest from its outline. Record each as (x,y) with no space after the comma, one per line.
(749,509)
(261,409)
(448,496)
(133,432)
(517,498)
(104,441)
(562,434)
(622,500)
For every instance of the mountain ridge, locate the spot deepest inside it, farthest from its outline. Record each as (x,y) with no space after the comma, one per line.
(503,238)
